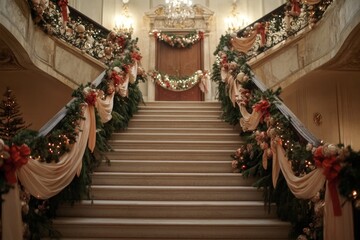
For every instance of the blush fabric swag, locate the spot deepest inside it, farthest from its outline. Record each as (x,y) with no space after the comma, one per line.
(337,225)
(45,180)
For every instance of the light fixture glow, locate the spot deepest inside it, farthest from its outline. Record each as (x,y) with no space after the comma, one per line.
(178,11)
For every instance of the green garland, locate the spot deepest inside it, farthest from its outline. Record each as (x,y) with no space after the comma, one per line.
(174,83)
(179,41)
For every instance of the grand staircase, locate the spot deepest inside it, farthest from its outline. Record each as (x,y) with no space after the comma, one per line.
(170,177)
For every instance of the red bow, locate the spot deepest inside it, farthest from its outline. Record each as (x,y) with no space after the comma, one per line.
(331,170)
(18,157)
(262,106)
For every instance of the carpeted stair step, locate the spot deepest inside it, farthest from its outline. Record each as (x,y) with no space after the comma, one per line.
(168,209)
(176,145)
(164,154)
(166,136)
(130,228)
(175,193)
(163,166)
(113,177)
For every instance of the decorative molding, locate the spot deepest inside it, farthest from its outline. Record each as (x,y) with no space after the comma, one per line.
(202,20)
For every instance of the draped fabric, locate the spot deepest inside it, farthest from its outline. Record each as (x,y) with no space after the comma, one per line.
(44,180)
(249,122)
(244,44)
(204,83)
(104,107)
(92,128)
(123,88)
(133,72)
(305,187)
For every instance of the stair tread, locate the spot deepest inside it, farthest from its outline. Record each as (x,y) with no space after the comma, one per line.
(175,187)
(172,150)
(169,221)
(168,174)
(170,203)
(178,134)
(169,141)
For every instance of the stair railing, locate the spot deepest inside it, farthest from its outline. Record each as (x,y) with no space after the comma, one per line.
(282,23)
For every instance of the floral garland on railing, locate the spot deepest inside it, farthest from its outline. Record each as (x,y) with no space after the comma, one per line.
(278,26)
(181,84)
(105,47)
(272,143)
(179,41)
(91,118)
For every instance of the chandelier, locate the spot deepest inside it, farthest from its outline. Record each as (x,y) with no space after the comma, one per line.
(178,11)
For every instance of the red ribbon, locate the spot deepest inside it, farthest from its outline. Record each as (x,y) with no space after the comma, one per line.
(64,6)
(262,31)
(331,170)
(295,7)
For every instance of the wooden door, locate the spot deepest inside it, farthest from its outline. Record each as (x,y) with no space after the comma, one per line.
(179,62)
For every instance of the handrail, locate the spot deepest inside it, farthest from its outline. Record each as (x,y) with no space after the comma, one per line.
(50,125)
(295,122)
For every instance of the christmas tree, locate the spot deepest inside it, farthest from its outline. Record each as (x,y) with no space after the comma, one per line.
(11,121)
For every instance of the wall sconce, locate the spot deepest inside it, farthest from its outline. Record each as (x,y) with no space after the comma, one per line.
(123,22)
(235,21)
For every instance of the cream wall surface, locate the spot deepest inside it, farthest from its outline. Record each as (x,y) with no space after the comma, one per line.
(335,96)
(104,12)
